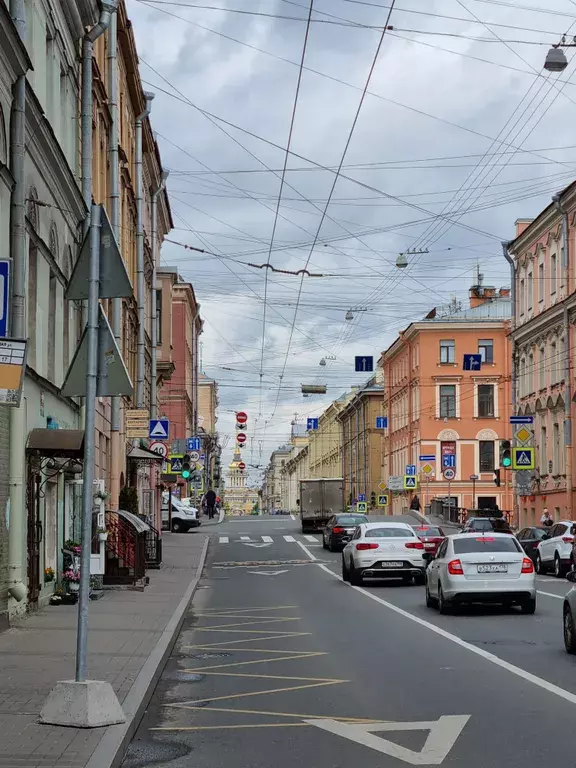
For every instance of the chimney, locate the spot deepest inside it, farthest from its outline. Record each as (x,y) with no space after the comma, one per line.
(479,294)
(522,225)
(504,292)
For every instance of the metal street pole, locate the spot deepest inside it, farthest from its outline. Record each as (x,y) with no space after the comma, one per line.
(449,501)
(89,427)
(474,492)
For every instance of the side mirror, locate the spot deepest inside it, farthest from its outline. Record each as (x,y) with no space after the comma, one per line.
(546,536)
(571,576)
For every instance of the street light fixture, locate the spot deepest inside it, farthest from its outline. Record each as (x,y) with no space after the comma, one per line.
(556,60)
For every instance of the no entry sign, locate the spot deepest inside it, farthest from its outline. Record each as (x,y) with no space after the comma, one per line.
(241,417)
(241,465)
(241,437)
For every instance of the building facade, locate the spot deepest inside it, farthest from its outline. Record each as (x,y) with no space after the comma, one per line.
(239,499)
(326,444)
(273,491)
(437,408)
(543,254)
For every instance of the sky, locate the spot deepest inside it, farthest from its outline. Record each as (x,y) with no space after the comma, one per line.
(433,137)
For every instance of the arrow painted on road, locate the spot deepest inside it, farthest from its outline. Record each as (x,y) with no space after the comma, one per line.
(255,545)
(267,573)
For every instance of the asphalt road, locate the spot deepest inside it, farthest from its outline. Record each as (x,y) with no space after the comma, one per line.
(280,664)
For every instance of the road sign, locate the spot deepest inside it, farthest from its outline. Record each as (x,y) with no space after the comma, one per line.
(361,507)
(410,482)
(194,456)
(523,435)
(241,438)
(12,368)
(410,469)
(383,500)
(4,297)
(428,469)
(158,429)
(449,473)
(381,422)
(474,477)
(241,465)
(383,486)
(241,417)
(472,362)
(175,464)
(523,479)
(523,458)
(396,483)
(521,419)
(427,457)
(361,497)
(311,424)
(363,364)
(137,422)
(194,443)
(449,460)
(160,448)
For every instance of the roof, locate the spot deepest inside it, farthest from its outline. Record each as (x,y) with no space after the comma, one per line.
(499,308)
(140,525)
(142,454)
(56,443)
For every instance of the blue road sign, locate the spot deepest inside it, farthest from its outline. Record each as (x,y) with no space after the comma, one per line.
(194,443)
(449,460)
(521,419)
(363,364)
(158,429)
(381,422)
(311,424)
(427,457)
(410,469)
(361,497)
(472,362)
(4,297)
(410,482)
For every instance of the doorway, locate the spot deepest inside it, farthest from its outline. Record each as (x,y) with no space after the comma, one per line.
(34,536)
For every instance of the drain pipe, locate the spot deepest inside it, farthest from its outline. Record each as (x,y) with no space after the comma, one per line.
(195,335)
(153,387)
(15,512)
(567,352)
(116,460)
(140,250)
(514,372)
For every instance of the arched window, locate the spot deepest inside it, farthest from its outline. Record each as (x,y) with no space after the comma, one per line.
(3,142)
(53,243)
(32,208)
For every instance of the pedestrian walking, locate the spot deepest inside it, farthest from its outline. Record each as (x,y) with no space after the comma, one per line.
(546,519)
(210,503)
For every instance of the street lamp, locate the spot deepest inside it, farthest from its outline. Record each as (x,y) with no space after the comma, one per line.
(401,261)
(556,60)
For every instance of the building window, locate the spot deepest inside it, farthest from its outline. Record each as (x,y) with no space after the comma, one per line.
(541,282)
(486,350)
(522,296)
(543,451)
(542,368)
(485,400)
(447,351)
(486,455)
(553,274)
(447,401)
(556,450)
(553,363)
(530,375)
(530,291)
(52,328)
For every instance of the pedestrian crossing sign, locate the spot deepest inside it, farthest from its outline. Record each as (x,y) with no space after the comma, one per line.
(361,507)
(410,482)
(383,500)
(523,458)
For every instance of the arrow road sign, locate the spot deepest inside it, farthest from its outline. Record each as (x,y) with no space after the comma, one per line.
(311,424)
(427,457)
(472,362)
(381,422)
(158,429)
(449,460)
(523,458)
(363,364)
(441,738)
(194,443)
(4,297)
(361,497)
(410,482)
(410,469)
(521,419)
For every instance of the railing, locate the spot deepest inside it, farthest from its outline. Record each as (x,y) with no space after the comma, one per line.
(125,552)
(153,548)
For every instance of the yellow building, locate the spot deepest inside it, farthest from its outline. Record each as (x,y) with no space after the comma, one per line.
(238,498)
(325,450)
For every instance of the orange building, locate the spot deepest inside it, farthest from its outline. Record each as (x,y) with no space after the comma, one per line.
(436,408)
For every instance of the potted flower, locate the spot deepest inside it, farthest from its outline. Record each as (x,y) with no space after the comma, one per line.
(73,546)
(71,579)
(48,575)
(102,534)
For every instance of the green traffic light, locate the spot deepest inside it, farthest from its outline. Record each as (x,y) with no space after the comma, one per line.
(185,474)
(506,462)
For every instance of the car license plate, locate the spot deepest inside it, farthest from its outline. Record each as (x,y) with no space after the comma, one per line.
(493,568)
(349,530)
(429,546)
(391,564)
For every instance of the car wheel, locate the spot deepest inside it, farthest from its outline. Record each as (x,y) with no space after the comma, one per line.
(559,570)
(430,602)
(355,576)
(539,565)
(331,547)
(324,545)
(345,571)
(421,578)
(528,606)
(177,527)
(443,604)
(569,631)
(407,579)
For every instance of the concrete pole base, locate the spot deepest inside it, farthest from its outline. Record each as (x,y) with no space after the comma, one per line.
(91,704)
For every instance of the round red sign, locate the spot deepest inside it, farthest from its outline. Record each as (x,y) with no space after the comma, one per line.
(241,417)
(241,437)
(241,465)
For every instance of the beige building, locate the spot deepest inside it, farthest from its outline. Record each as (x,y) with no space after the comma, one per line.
(274,480)
(297,468)
(207,403)
(238,498)
(325,449)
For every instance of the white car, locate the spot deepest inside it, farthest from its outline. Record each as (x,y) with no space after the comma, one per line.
(381,550)
(555,551)
(487,567)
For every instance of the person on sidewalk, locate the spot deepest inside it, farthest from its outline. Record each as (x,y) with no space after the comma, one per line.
(210,503)
(546,519)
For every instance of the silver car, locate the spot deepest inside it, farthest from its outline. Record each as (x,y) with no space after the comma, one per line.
(484,568)
(383,550)
(569,614)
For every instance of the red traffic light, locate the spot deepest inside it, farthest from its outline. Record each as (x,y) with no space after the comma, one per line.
(241,417)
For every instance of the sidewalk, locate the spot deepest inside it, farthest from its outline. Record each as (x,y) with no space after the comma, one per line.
(131,634)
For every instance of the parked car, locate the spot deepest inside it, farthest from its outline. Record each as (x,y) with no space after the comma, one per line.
(339,530)
(555,550)
(484,568)
(529,539)
(568,614)
(431,536)
(382,550)
(183,516)
(486,524)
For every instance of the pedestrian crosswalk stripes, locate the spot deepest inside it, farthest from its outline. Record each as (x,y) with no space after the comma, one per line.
(266,539)
(310,538)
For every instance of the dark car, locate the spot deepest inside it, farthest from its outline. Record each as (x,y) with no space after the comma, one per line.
(339,529)
(486,524)
(431,536)
(529,538)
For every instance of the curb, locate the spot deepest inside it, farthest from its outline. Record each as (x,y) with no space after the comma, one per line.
(113,745)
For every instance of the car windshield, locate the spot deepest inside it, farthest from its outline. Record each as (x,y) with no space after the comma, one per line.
(472,544)
(388,533)
(351,520)
(429,532)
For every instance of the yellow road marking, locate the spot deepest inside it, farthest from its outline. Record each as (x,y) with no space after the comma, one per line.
(223,727)
(252,608)
(270,690)
(242,631)
(246,616)
(253,650)
(257,661)
(250,640)
(274,677)
(251,623)
(274,714)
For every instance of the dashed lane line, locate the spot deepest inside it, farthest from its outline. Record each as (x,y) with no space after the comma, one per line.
(223,540)
(289,538)
(267,538)
(307,551)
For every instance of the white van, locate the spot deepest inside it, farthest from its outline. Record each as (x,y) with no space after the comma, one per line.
(184,516)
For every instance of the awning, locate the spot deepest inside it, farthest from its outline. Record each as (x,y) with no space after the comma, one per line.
(142,454)
(56,443)
(140,525)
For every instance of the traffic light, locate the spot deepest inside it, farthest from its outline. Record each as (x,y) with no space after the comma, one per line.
(373,499)
(497,478)
(505,454)
(186,469)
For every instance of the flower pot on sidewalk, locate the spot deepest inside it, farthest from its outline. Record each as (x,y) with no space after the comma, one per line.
(73,586)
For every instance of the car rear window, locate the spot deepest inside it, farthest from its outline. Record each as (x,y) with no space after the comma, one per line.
(426,532)
(473,544)
(389,533)
(351,520)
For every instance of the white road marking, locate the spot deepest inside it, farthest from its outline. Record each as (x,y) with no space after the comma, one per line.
(223,540)
(440,740)
(292,516)
(313,539)
(259,544)
(289,538)
(244,538)
(267,538)
(267,573)
(310,555)
(550,594)
(521,673)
